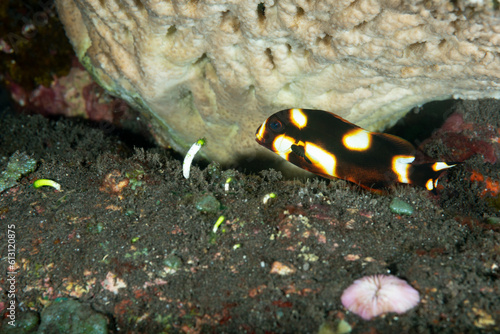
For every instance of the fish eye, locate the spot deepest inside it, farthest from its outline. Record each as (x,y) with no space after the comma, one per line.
(276,125)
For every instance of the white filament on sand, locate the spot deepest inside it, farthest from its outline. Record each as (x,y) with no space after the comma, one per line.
(188,159)
(268,197)
(226,185)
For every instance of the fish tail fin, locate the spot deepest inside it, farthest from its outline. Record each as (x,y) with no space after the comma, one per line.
(427,175)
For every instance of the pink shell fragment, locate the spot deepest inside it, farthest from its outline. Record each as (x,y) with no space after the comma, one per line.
(372,296)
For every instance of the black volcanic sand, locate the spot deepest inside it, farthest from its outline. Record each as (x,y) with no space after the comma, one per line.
(126,236)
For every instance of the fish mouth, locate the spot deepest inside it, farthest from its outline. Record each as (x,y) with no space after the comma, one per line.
(261,131)
(262,138)
(260,141)
(258,138)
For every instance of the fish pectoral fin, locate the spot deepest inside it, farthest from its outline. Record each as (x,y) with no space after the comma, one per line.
(300,151)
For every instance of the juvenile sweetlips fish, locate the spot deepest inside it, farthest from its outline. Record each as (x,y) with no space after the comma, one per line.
(328,145)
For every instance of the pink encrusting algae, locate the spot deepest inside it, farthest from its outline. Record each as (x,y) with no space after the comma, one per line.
(371,296)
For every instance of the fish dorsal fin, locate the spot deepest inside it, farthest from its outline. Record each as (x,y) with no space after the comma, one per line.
(398,145)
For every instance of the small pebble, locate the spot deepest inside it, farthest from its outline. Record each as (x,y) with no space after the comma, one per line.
(72,317)
(282,269)
(25,322)
(19,164)
(493,220)
(401,207)
(208,204)
(172,261)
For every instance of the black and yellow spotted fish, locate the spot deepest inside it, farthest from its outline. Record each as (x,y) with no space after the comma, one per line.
(328,145)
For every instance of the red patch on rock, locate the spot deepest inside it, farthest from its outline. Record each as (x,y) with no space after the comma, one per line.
(282,304)
(491,186)
(467,139)
(123,306)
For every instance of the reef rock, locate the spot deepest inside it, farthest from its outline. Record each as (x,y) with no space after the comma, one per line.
(218,68)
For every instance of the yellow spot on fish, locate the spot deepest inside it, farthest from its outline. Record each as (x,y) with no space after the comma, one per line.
(357,140)
(429,185)
(401,166)
(282,146)
(440,166)
(298,118)
(325,160)
(260,132)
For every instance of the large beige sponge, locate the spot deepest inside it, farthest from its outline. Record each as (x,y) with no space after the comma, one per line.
(217,69)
